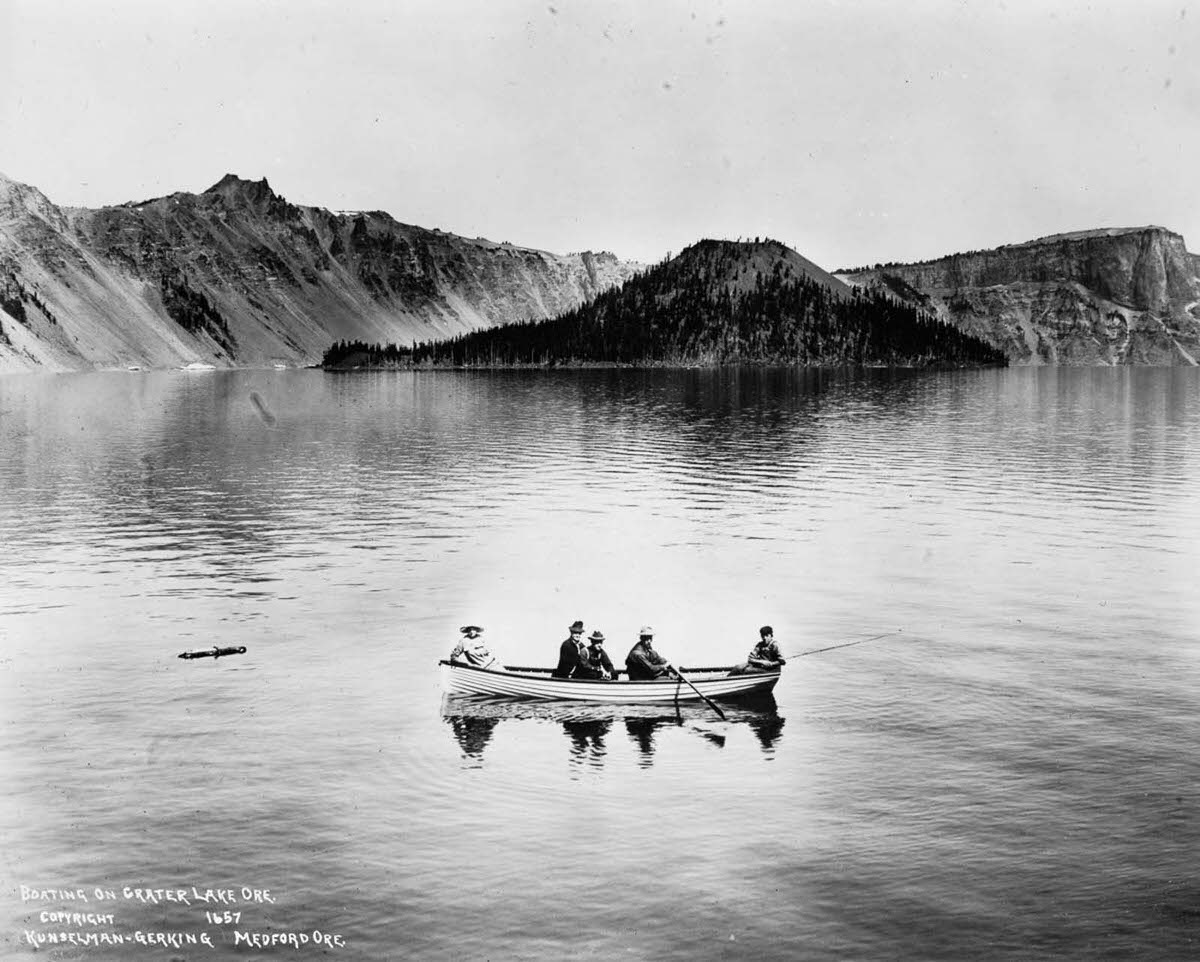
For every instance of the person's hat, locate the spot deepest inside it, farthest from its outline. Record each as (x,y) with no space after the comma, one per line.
(646,632)
(465,628)
(576,626)
(766,630)
(596,636)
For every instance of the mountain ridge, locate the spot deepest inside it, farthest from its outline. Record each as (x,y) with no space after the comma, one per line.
(716,303)
(1097,297)
(762,253)
(238,276)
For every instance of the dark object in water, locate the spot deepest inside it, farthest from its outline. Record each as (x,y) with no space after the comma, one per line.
(261,407)
(213,652)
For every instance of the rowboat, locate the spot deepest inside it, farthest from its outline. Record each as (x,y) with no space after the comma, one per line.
(519,682)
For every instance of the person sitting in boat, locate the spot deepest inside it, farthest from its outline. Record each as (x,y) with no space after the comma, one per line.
(473,650)
(571,653)
(643,662)
(764,656)
(596,663)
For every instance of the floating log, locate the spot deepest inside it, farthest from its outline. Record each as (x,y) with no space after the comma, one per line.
(213,652)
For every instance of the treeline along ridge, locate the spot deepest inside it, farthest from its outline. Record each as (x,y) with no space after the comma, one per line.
(718,302)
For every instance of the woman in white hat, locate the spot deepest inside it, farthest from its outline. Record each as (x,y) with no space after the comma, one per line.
(472,650)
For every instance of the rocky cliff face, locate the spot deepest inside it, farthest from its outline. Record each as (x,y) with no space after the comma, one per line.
(1128,296)
(237,276)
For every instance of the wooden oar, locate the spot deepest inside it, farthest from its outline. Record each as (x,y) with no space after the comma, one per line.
(707,701)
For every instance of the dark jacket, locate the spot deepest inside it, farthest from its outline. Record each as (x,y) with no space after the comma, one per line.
(570,656)
(594,664)
(644,662)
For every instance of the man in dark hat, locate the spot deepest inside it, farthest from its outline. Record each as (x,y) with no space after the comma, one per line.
(596,663)
(570,653)
(643,662)
(472,650)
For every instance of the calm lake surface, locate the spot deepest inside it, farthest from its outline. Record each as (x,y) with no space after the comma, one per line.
(1009,772)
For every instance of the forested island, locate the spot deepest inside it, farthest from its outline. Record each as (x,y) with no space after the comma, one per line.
(718,302)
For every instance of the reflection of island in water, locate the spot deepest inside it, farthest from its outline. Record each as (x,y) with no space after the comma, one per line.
(472,720)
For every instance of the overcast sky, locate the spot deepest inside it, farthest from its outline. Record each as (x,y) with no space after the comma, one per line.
(854,132)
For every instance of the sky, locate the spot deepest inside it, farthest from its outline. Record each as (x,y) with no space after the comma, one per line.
(853,132)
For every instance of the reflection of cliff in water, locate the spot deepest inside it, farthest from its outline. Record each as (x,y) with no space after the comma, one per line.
(473,719)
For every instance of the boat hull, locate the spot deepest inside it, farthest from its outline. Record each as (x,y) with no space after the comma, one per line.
(714,683)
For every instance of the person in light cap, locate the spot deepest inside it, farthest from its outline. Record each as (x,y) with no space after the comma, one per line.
(643,662)
(472,650)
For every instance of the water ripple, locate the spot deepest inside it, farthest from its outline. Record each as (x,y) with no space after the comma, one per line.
(1010,766)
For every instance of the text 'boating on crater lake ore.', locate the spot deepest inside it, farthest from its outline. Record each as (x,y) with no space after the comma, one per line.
(70,917)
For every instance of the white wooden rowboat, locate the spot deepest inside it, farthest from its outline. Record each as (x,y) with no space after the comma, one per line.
(460,679)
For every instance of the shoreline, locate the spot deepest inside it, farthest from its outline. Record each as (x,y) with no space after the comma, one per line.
(650,365)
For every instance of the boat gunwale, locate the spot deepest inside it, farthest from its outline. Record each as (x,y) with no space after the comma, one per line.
(546,674)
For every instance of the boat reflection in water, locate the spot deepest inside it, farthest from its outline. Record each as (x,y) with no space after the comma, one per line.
(587,739)
(589,727)
(472,733)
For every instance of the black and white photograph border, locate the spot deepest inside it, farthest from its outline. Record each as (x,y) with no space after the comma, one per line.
(623,480)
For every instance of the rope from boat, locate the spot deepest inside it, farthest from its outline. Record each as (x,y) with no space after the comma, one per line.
(848,644)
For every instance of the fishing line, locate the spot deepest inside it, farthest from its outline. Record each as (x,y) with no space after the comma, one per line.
(848,644)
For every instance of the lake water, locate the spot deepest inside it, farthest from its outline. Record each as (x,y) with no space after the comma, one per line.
(1006,768)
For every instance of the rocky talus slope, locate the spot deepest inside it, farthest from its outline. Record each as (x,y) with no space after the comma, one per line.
(1100,297)
(237,276)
